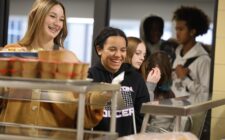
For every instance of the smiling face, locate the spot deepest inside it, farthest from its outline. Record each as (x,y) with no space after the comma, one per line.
(53,22)
(139,56)
(113,53)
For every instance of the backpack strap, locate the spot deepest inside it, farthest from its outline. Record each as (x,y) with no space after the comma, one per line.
(189,61)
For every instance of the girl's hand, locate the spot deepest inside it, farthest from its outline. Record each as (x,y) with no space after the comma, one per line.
(154,75)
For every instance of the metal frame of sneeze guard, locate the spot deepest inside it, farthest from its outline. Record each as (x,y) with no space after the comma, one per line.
(81,86)
(176,107)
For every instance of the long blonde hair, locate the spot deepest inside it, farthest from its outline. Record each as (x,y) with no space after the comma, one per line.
(132,44)
(131,48)
(36,19)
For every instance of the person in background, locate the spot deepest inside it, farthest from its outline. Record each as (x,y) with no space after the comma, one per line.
(161,60)
(47,30)
(151,32)
(136,53)
(191,66)
(191,79)
(158,81)
(137,56)
(161,123)
(169,46)
(111,47)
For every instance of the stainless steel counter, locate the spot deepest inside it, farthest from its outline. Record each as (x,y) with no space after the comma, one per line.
(12,131)
(78,86)
(177,107)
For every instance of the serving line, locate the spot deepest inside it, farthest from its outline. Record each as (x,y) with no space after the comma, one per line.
(177,107)
(80,86)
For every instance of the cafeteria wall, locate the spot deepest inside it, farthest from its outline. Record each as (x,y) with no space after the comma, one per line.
(137,9)
(218,114)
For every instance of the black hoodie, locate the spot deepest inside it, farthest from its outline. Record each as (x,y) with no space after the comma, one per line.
(134,93)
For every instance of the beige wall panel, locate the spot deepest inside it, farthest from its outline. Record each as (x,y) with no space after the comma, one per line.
(221,4)
(219,77)
(217,129)
(218,112)
(220,50)
(220,34)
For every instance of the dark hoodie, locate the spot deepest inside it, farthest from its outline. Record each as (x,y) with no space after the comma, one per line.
(134,93)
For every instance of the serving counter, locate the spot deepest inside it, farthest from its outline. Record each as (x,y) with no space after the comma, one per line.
(28,132)
(177,107)
(78,86)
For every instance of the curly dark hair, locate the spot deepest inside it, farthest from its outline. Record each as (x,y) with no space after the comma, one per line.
(194,17)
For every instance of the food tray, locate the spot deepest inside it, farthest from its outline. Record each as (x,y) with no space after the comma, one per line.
(71,81)
(19,54)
